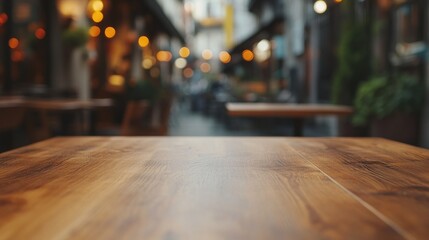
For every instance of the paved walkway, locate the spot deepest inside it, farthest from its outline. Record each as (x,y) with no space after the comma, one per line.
(184,122)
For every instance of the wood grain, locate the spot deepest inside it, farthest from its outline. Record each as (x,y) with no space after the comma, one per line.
(393,178)
(209,188)
(285,110)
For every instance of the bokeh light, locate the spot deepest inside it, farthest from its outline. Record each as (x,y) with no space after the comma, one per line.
(116,80)
(263,45)
(3,18)
(225,57)
(207,54)
(96,5)
(97,17)
(143,41)
(40,33)
(164,56)
(148,62)
(180,63)
(247,55)
(94,31)
(188,72)
(205,67)
(13,43)
(184,52)
(320,6)
(110,32)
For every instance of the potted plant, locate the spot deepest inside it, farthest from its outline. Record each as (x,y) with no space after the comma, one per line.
(74,37)
(354,66)
(390,106)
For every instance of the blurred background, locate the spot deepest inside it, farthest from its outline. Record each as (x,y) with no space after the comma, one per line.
(170,67)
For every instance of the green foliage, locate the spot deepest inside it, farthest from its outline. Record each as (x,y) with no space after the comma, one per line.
(75,37)
(354,65)
(381,96)
(144,90)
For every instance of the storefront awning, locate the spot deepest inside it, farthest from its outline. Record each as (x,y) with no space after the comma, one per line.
(265,31)
(262,32)
(165,22)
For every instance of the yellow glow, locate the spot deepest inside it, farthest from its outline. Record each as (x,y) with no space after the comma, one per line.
(188,73)
(338,1)
(207,54)
(247,55)
(109,32)
(163,56)
(96,5)
(13,43)
(97,17)
(40,33)
(184,52)
(147,63)
(224,57)
(143,41)
(320,6)
(116,80)
(205,67)
(94,31)
(71,8)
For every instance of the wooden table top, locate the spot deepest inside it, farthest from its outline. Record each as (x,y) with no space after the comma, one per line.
(68,104)
(8,102)
(214,188)
(55,104)
(285,110)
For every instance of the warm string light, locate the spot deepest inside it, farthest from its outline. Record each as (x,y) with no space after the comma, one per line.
(97,5)
(13,43)
(97,17)
(94,31)
(184,52)
(247,55)
(110,32)
(164,56)
(40,33)
(143,41)
(224,57)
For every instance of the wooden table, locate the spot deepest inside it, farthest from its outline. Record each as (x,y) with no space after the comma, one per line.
(214,188)
(55,104)
(66,107)
(296,111)
(67,104)
(70,108)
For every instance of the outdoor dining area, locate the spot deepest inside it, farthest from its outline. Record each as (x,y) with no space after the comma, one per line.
(207,119)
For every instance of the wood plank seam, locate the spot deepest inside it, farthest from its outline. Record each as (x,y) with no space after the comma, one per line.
(373,210)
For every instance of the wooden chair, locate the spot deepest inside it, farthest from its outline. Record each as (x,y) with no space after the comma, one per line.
(140,119)
(12,118)
(11,121)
